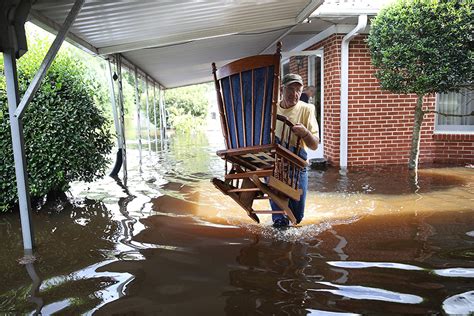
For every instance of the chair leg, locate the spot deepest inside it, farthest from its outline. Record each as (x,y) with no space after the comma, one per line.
(245,203)
(282,203)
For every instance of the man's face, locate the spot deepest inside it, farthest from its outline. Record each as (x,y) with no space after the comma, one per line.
(292,93)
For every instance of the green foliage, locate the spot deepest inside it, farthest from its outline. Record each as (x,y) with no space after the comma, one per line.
(187,107)
(184,122)
(67,136)
(423,46)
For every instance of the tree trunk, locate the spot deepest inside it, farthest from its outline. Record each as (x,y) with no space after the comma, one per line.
(415,139)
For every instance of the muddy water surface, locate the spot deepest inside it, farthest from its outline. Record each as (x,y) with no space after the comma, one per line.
(373,241)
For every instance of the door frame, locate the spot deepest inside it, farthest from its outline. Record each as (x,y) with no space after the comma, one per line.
(318,153)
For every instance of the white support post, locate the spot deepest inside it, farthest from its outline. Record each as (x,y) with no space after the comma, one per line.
(118,63)
(16,127)
(154,114)
(139,128)
(48,59)
(162,113)
(114,106)
(343,149)
(17,109)
(148,116)
(118,130)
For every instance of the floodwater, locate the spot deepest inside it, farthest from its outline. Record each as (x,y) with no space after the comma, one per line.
(373,241)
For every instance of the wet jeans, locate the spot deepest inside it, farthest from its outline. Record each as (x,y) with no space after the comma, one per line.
(297,207)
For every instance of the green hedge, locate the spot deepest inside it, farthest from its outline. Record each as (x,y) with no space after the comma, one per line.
(67,136)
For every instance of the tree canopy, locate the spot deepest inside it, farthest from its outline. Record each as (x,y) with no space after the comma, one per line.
(423,46)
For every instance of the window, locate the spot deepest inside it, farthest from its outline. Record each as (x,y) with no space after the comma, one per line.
(285,68)
(461,102)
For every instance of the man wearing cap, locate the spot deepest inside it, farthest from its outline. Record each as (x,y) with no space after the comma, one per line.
(303,116)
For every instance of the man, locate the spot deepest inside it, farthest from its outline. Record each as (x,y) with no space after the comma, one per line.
(308,92)
(303,116)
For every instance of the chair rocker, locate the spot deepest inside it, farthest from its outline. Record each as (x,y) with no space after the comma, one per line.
(258,165)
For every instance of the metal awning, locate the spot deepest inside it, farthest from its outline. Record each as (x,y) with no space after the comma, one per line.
(174,42)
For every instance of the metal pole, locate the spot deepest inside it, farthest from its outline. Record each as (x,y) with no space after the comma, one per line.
(16,127)
(48,59)
(139,129)
(148,116)
(119,159)
(163,113)
(114,107)
(118,63)
(154,114)
(161,117)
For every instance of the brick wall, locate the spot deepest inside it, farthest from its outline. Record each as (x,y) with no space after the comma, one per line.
(332,74)
(380,122)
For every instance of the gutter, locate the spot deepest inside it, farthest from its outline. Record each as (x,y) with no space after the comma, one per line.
(345,88)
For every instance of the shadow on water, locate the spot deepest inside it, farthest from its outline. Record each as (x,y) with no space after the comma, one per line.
(372,242)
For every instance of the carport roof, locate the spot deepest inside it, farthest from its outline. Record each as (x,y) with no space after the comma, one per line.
(174,42)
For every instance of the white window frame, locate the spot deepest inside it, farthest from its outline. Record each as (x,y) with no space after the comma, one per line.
(450,129)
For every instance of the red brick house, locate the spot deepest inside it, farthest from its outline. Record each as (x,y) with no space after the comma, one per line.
(360,123)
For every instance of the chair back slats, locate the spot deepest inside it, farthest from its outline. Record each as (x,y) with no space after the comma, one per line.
(248,90)
(244,117)
(238,107)
(247,107)
(229,118)
(253,108)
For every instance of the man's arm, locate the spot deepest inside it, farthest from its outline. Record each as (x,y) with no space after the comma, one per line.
(310,140)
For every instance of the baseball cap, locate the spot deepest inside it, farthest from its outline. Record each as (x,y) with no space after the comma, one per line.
(292,78)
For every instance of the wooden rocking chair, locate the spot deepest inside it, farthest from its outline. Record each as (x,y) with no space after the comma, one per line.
(258,165)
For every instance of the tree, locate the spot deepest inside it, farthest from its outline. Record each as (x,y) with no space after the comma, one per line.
(423,47)
(187,106)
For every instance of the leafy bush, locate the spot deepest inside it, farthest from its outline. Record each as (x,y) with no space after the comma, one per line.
(67,137)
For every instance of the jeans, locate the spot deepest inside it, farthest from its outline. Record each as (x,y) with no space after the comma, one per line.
(297,207)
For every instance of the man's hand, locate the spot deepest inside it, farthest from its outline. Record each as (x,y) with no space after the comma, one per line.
(300,130)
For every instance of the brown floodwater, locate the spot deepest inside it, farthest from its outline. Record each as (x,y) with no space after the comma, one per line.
(373,241)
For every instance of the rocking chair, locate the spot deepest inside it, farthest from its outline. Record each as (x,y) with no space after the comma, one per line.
(258,165)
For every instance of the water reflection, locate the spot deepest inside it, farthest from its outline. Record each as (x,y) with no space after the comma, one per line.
(34,296)
(80,235)
(368,293)
(460,304)
(167,242)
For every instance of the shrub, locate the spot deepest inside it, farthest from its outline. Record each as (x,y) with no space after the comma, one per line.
(67,137)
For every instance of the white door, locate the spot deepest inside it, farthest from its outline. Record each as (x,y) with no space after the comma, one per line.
(315,69)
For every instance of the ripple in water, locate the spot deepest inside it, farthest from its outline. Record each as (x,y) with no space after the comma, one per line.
(369,293)
(461,304)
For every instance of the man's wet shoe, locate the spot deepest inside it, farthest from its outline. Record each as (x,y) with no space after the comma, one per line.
(281,223)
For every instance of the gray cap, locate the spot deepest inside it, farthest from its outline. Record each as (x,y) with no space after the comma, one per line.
(292,78)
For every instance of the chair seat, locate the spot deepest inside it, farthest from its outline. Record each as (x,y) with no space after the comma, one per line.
(260,157)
